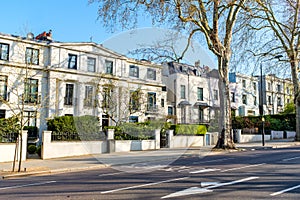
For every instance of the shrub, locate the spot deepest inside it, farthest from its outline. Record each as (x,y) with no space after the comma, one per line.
(136,131)
(75,128)
(31,149)
(9,129)
(189,129)
(39,150)
(279,122)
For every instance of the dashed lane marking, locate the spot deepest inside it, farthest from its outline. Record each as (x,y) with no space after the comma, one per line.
(294,158)
(27,185)
(237,168)
(286,190)
(209,161)
(143,185)
(203,171)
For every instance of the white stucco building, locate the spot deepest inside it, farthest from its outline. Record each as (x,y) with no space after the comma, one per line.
(190,93)
(43,79)
(244,91)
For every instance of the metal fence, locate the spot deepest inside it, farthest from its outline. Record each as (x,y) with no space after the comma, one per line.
(78,137)
(8,137)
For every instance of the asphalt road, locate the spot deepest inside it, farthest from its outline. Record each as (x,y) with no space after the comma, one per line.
(259,174)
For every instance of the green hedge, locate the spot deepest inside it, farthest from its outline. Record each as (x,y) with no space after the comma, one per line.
(9,129)
(75,128)
(138,131)
(279,122)
(188,129)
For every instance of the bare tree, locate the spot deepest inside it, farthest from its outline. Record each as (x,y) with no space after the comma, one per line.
(22,95)
(276,23)
(215,19)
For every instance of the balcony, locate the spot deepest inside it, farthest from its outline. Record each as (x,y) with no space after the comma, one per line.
(152,109)
(70,101)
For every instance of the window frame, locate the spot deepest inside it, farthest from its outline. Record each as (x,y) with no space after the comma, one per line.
(29,116)
(88,95)
(2,55)
(151,74)
(232,96)
(69,94)
(134,100)
(151,101)
(32,56)
(91,66)
(31,90)
(244,99)
(72,64)
(3,87)
(134,71)
(244,83)
(200,96)
(109,67)
(182,92)
(216,94)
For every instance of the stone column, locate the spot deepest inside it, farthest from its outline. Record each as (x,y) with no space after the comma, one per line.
(170,135)
(46,144)
(24,144)
(110,140)
(157,138)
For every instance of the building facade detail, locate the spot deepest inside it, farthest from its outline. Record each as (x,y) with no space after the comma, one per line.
(43,79)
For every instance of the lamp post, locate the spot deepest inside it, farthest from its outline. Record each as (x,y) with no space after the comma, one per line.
(261,109)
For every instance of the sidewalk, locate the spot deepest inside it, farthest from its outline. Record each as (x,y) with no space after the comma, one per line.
(35,166)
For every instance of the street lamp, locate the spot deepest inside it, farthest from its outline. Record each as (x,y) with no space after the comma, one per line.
(261,108)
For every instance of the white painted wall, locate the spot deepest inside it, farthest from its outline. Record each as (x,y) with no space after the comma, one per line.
(252,138)
(66,149)
(134,145)
(8,150)
(290,134)
(276,135)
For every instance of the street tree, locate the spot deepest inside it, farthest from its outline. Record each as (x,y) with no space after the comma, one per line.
(213,19)
(21,91)
(277,22)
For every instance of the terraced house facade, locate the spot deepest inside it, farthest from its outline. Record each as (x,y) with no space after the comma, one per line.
(41,79)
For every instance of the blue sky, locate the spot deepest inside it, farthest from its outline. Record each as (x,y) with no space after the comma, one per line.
(76,21)
(70,21)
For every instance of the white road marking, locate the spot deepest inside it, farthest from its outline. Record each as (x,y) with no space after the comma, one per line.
(197,190)
(134,170)
(189,191)
(143,185)
(203,171)
(232,169)
(205,184)
(232,182)
(27,185)
(294,158)
(208,161)
(286,190)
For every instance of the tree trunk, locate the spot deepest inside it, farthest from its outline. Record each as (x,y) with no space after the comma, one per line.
(21,150)
(298,118)
(225,140)
(294,70)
